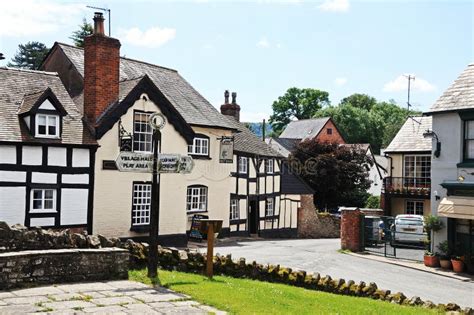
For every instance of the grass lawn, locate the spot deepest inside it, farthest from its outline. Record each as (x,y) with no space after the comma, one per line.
(243,296)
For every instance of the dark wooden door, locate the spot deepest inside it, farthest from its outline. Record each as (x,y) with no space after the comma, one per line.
(253,217)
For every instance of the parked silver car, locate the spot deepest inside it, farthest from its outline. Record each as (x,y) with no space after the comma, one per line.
(409,228)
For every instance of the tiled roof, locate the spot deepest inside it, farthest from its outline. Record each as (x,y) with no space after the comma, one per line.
(410,137)
(29,101)
(304,129)
(460,95)
(194,108)
(15,84)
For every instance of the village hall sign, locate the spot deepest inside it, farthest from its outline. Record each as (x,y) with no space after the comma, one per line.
(143,163)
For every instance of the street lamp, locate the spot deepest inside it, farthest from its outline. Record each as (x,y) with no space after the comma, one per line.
(431,134)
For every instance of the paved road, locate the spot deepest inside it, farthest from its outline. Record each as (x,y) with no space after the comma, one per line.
(322,256)
(107,297)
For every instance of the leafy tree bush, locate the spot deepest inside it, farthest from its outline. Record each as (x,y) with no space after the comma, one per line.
(29,56)
(373,202)
(339,175)
(85,29)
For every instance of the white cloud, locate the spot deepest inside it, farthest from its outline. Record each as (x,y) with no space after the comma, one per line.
(34,17)
(335,5)
(401,84)
(151,38)
(263,43)
(340,81)
(253,117)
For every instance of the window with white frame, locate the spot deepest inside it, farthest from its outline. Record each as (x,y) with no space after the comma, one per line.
(196,199)
(269,166)
(417,170)
(234,209)
(43,200)
(47,126)
(141,204)
(269,207)
(414,207)
(243,164)
(142,132)
(200,146)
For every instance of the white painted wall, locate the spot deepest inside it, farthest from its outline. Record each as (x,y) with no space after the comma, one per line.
(44,178)
(41,221)
(47,105)
(56,156)
(74,206)
(32,155)
(448,127)
(7,154)
(80,157)
(12,205)
(75,179)
(12,176)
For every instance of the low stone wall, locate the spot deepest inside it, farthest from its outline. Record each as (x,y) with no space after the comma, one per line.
(312,224)
(193,261)
(22,269)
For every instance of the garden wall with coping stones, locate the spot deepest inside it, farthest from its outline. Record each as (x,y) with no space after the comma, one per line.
(24,268)
(195,262)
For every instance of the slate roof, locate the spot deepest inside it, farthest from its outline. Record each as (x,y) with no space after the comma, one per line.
(304,129)
(29,101)
(410,137)
(194,108)
(459,96)
(245,141)
(15,84)
(293,184)
(283,146)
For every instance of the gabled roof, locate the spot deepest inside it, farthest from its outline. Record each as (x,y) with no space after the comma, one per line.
(304,129)
(191,105)
(292,183)
(129,92)
(459,96)
(410,137)
(34,100)
(14,85)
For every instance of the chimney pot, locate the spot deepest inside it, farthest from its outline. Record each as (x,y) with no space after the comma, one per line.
(226,97)
(228,109)
(98,23)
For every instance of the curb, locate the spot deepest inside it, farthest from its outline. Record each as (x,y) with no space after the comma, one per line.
(411,265)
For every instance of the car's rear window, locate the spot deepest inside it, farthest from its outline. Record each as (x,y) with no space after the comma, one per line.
(408,221)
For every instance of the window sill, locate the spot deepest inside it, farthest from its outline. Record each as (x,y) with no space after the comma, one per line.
(200,157)
(196,212)
(469,164)
(47,137)
(42,211)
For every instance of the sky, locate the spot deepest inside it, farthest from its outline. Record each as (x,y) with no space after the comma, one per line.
(261,48)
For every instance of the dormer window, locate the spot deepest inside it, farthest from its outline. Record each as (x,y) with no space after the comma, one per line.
(47,126)
(200,146)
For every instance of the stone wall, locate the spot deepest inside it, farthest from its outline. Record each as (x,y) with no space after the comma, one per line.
(312,224)
(24,268)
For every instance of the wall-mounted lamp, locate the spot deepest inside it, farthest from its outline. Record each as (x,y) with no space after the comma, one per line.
(437,197)
(431,134)
(1,56)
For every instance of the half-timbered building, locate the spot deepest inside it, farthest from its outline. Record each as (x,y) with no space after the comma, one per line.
(46,153)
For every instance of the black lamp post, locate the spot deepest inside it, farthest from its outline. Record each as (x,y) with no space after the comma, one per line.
(1,56)
(431,134)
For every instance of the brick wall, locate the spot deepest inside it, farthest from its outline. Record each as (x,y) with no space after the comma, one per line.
(350,230)
(314,225)
(335,136)
(101,74)
(21,269)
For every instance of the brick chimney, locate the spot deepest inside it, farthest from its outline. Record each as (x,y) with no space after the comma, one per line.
(231,109)
(101,70)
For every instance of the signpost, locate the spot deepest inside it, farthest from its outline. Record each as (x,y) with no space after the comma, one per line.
(156,164)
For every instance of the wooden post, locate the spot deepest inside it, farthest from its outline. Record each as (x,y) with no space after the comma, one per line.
(154,215)
(210,250)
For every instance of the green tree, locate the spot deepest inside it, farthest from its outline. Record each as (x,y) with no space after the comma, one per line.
(358,100)
(29,56)
(297,104)
(339,175)
(85,29)
(373,202)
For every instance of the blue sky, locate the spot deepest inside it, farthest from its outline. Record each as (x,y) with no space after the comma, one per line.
(261,48)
